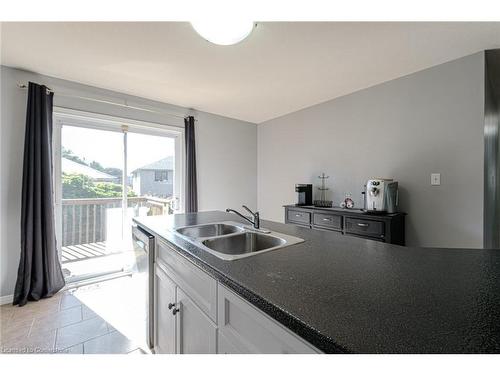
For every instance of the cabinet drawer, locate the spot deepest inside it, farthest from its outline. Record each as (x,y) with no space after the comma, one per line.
(327,220)
(195,282)
(365,227)
(245,329)
(296,216)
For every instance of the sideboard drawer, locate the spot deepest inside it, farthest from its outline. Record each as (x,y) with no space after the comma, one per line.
(327,220)
(365,227)
(296,216)
(388,228)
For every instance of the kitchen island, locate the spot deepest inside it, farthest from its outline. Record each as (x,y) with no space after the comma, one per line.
(343,294)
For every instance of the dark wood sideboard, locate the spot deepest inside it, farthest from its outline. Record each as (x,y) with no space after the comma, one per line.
(389,228)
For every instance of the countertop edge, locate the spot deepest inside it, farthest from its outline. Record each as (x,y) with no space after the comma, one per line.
(294,324)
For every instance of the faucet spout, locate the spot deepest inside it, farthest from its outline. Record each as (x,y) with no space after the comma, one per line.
(255,215)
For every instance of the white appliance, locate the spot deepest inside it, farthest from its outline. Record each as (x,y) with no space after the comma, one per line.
(381,195)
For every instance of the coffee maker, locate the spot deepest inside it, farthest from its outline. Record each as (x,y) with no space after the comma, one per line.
(304,194)
(381,196)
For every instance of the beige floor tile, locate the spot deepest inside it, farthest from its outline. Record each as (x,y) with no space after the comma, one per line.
(6,314)
(68,301)
(57,320)
(15,330)
(88,313)
(112,343)
(76,349)
(111,328)
(6,309)
(44,303)
(36,344)
(77,333)
(35,310)
(71,318)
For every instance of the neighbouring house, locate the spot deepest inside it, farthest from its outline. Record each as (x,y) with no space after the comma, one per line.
(71,167)
(155,179)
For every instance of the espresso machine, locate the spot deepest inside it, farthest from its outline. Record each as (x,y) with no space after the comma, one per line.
(304,194)
(381,196)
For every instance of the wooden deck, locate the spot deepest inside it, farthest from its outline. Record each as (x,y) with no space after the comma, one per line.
(85,251)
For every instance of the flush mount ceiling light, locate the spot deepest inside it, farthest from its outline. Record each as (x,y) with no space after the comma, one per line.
(225,32)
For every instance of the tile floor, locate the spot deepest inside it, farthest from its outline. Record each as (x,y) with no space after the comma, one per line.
(104,318)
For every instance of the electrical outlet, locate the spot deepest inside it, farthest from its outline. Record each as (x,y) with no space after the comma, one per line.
(435,178)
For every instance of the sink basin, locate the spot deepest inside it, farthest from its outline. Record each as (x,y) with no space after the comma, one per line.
(209,230)
(230,240)
(248,242)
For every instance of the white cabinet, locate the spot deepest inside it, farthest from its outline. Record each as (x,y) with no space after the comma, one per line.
(195,314)
(225,346)
(180,325)
(245,329)
(200,286)
(165,324)
(196,333)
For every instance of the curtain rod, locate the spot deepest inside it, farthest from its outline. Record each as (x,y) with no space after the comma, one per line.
(24,86)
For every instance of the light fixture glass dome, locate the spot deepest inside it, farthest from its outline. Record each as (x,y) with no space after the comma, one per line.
(225,32)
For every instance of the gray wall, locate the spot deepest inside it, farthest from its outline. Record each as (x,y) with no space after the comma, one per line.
(226,149)
(406,129)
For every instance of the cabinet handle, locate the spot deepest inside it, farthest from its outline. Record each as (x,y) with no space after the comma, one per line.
(170,305)
(175,311)
(362,225)
(327,219)
(298,215)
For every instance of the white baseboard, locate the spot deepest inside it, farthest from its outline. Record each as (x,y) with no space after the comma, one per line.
(6,299)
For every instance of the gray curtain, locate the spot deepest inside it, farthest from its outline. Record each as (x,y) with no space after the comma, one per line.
(191,195)
(39,274)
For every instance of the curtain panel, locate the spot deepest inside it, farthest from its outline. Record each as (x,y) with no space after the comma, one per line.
(191,188)
(39,273)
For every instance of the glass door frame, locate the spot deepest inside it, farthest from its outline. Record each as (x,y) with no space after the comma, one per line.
(90,120)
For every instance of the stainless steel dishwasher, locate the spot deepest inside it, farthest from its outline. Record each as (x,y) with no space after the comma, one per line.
(144,243)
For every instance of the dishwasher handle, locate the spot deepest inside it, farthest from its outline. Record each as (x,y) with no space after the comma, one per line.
(140,237)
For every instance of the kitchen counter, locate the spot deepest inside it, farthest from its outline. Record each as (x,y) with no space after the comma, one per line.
(350,295)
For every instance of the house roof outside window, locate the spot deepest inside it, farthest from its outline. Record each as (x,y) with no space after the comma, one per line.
(71,167)
(159,165)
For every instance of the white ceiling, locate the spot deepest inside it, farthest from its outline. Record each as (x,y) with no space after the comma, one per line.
(280,68)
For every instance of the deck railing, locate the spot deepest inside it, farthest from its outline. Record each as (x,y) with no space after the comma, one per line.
(85,220)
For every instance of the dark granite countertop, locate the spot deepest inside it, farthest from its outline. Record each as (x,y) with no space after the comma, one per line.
(349,295)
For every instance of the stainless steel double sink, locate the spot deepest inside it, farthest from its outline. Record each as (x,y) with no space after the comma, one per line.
(230,240)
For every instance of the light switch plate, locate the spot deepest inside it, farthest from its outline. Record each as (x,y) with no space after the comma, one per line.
(435,178)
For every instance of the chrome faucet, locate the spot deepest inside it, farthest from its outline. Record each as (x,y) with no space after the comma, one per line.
(255,215)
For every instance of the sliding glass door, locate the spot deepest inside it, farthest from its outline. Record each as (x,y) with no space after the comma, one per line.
(151,177)
(110,171)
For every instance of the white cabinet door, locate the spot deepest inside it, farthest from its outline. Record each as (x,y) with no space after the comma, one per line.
(245,329)
(225,346)
(196,333)
(200,287)
(165,326)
